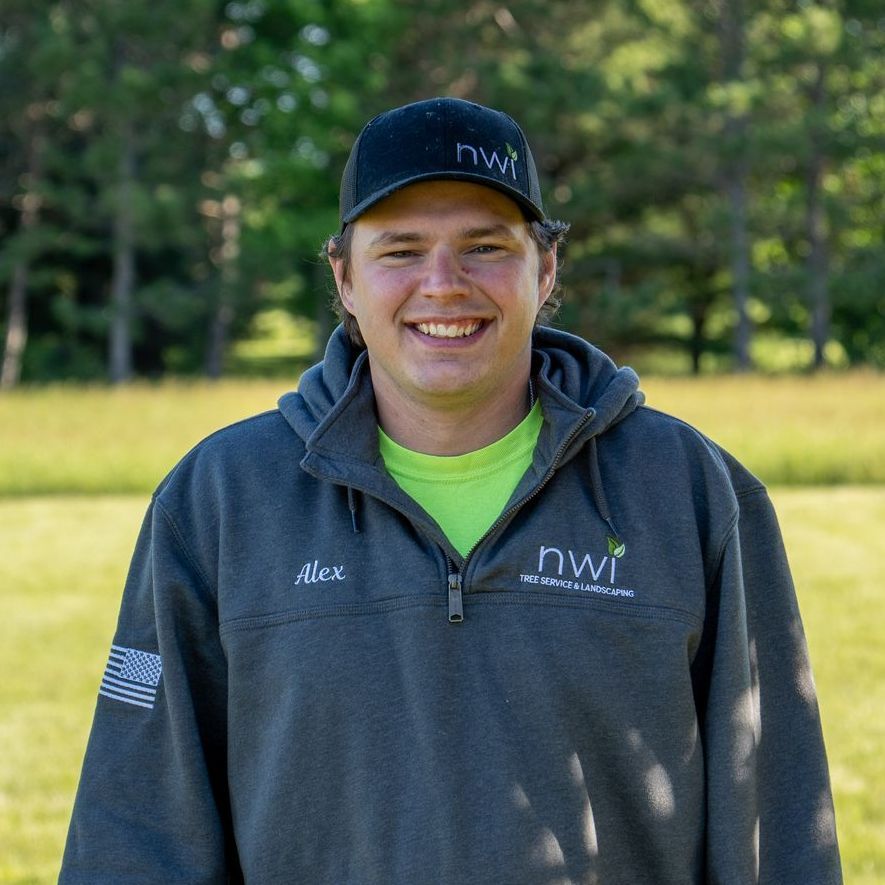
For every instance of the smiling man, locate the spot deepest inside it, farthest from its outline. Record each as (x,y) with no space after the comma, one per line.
(445,283)
(463,609)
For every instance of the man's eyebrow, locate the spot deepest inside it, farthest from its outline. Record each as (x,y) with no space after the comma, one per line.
(394,237)
(491,230)
(400,237)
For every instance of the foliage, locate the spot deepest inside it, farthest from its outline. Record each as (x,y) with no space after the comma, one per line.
(684,140)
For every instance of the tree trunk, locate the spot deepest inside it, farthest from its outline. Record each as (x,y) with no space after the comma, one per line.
(740,269)
(229,253)
(16,327)
(699,312)
(123,277)
(735,173)
(219,332)
(817,264)
(17,309)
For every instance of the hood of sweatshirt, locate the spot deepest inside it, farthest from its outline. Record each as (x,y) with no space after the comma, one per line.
(582,392)
(574,378)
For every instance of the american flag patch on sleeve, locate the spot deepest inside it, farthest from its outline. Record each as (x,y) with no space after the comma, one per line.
(132,676)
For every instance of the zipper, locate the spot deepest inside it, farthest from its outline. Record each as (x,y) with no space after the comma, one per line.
(456,601)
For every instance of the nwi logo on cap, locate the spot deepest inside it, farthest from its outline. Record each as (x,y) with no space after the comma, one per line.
(491,160)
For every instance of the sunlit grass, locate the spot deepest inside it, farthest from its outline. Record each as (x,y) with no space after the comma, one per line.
(69,439)
(826,429)
(64,559)
(93,439)
(834,540)
(61,573)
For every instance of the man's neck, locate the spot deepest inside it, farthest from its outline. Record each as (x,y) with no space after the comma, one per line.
(451,429)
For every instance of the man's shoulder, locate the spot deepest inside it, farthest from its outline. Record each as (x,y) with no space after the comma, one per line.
(234,454)
(657,427)
(673,441)
(252,435)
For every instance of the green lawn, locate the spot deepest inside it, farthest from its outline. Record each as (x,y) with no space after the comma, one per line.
(818,430)
(62,568)
(67,439)
(77,465)
(61,574)
(834,540)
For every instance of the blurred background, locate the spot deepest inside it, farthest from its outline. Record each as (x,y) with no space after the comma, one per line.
(169,171)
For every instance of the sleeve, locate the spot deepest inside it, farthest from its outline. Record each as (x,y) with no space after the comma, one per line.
(152,802)
(769,806)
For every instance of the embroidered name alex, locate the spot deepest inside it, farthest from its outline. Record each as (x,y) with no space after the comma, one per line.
(311,573)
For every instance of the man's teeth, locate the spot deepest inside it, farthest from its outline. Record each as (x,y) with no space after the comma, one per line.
(443,330)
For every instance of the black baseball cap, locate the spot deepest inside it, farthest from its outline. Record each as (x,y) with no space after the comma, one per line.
(441,138)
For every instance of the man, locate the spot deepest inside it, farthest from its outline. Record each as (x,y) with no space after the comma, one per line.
(462,610)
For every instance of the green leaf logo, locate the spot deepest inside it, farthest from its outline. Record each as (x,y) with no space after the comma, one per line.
(511,152)
(616,548)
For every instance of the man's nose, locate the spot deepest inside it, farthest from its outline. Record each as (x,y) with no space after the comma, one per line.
(443,274)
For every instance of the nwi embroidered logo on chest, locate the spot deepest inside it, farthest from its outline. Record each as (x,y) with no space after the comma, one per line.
(570,571)
(314,573)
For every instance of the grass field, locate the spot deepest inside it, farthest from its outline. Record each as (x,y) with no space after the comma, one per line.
(64,558)
(810,431)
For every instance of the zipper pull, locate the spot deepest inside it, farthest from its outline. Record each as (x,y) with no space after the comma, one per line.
(456,608)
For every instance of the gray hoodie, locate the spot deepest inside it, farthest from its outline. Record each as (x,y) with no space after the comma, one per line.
(309,684)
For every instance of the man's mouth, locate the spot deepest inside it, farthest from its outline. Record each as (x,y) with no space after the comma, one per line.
(449,330)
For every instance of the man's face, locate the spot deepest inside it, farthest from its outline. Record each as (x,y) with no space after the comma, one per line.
(445,283)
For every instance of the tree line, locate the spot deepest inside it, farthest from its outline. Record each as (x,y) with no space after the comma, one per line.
(168,170)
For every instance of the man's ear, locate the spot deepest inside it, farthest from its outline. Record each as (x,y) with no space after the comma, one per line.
(546,275)
(342,281)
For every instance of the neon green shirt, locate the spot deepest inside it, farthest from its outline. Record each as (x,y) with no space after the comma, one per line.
(465,494)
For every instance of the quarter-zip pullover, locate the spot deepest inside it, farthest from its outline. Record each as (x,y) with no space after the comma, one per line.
(612,686)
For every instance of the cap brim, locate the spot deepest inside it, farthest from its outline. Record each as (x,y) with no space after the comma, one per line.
(535,212)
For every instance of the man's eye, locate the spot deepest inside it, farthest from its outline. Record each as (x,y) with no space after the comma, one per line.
(486,249)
